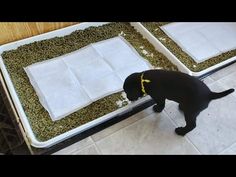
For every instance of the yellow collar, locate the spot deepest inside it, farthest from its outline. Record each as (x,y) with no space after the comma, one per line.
(142,81)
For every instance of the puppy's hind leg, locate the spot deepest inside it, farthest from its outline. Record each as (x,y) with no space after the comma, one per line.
(160,104)
(190,118)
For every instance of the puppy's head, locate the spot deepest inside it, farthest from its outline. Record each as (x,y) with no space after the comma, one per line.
(132,86)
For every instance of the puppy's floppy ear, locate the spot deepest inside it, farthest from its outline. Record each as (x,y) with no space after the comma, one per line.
(133,76)
(132,86)
(133,80)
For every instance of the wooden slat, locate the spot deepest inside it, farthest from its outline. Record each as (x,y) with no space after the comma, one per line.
(13,31)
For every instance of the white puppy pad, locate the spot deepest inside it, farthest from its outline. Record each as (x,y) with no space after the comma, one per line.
(70,82)
(203,41)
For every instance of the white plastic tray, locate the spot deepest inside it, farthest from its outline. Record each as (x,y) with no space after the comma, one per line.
(19,109)
(159,46)
(62,32)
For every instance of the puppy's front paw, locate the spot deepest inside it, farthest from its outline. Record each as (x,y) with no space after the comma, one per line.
(157,108)
(180,131)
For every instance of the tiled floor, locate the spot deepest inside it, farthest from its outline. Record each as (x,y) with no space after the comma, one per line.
(151,133)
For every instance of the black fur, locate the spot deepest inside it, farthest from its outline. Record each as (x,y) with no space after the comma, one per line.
(192,94)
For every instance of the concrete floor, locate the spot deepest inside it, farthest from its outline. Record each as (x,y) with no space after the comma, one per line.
(153,133)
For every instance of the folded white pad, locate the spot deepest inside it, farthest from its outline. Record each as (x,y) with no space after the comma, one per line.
(70,82)
(202,41)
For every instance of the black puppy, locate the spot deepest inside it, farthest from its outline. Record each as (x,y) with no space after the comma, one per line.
(192,94)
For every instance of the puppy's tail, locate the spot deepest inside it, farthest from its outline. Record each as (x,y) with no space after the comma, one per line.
(215,95)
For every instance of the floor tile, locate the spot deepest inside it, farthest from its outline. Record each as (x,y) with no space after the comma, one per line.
(89,150)
(229,82)
(75,147)
(122,124)
(153,134)
(216,125)
(229,151)
(223,72)
(208,80)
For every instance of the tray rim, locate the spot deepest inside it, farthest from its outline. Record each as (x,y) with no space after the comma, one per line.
(27,130)
(184,68)
(17,107)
